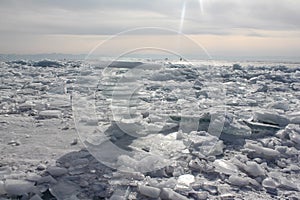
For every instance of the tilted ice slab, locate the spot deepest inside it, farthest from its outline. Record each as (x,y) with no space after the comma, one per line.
(18,187)
(294,117)
(262,151)
(271,118)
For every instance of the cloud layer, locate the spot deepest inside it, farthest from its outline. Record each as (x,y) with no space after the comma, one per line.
(110,17)
(75,26)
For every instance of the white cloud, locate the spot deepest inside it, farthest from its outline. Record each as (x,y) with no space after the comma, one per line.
(29,20)
(110,17)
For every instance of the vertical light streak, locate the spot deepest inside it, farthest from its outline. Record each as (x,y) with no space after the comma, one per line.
(201,7)
(182,17)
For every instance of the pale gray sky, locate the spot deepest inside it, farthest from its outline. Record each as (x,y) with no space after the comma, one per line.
(242,27)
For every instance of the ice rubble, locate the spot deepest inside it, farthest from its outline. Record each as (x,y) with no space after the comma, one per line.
(257,153)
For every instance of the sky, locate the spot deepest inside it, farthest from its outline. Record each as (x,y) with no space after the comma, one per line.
(221,27)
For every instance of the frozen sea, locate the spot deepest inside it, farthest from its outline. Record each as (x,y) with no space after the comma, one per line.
(149,128)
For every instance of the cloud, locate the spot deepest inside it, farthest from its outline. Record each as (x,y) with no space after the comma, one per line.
(110,17)
(76,25)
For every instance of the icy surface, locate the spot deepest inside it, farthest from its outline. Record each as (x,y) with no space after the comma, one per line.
(168,130)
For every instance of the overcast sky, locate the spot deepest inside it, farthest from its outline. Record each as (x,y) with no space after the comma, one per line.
(223,27)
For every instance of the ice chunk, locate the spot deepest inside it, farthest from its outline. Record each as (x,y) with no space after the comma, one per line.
(263,151)
(236,127)
(79,163)
(269,183)
(47,114)
(271,118)
(57,171)
(46,179)
(26,106)
(167,193)
(149,191)
(41,167)
(185,180)
(254,169)
(295,120)
(262,127)
(217,149)
(279,105)
(238,180)
(116,197)
(236,67)
(210,187)
(169,183)
(32,177)
(47,63)
(284,133)
(225,167)
(5,170)
(295,137)
(127,64)
(36,197)
(74,142)
(146,164)
(200,138)
(296,86)
(18,187)
(64,190)
(14,143)
(227,196)
(288,185)
(294,117)
(2,190)
(197,164)
(205,143)
(199,195)
(129,175)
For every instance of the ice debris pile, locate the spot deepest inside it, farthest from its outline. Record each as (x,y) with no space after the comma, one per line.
(255,157)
